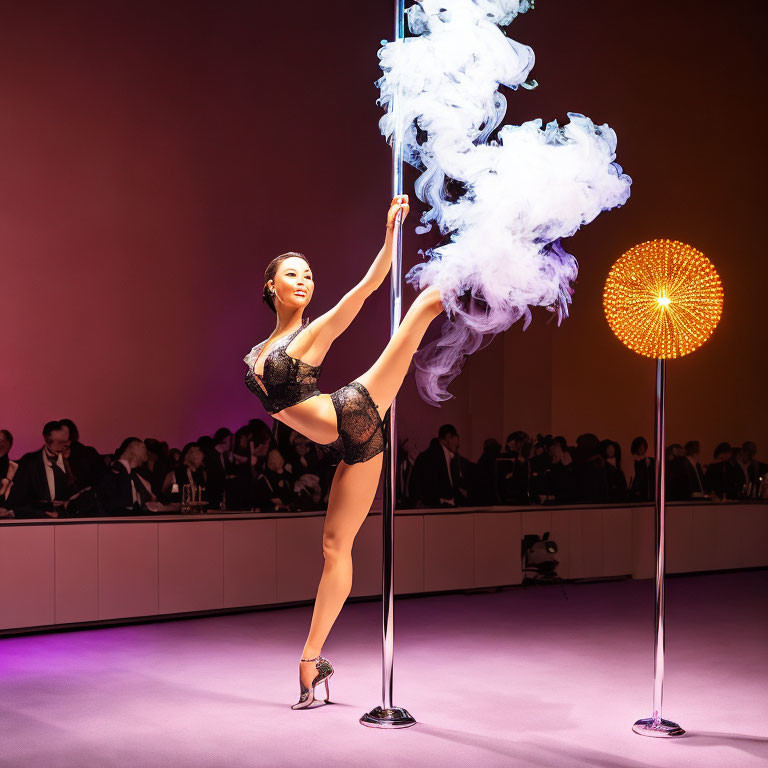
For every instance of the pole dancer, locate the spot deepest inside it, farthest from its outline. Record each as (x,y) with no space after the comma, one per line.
(283,371)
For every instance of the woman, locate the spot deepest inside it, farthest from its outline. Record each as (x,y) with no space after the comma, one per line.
(189,472)
(274,486)
(610,450)
(642,484)
(301,457)
(283,371)
(560,478)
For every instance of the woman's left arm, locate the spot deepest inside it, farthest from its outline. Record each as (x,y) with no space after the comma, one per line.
(334,322)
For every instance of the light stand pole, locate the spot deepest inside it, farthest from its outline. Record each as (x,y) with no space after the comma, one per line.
(387,715)
(656,725)
(662,299)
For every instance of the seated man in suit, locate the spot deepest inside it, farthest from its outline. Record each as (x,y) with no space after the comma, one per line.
(690,473)
(514,469)
(441,477)
(723,479)
(219,465)
(85,462)
(123,490)
(676,484)
(43,484)
(752,470)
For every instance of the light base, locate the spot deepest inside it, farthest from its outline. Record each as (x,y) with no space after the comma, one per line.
(395,717)
(660,729)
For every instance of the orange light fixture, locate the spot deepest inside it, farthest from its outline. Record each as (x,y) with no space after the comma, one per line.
(663,299)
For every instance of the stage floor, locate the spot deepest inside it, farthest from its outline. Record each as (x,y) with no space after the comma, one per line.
(524,677)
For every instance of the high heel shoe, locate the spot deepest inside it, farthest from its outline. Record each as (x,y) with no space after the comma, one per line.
(307,695)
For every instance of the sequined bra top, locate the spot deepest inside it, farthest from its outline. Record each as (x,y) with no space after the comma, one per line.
(285,380)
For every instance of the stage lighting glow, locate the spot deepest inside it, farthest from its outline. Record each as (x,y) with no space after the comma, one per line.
(663,299)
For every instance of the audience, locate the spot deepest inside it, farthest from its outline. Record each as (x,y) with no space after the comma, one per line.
(441,477)
(220,466)
(157,464)
(190,471)
(559,484)
(685,476)
(7,467)
(124,490)
(486,473)
(515,469)
(642,484)
(406,458)
(591,474)
(274,486)
(723,479)
(42,485)
(617,482)
(539,462)
(753,471)
(256,469)
(86,465)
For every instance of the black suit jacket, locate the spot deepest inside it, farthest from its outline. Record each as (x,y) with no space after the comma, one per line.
(687,480)
(724,479)
(87,465)
(217,468)
(591,481)
(755,472)
(116,491)
(430,480)
(644,482)
(30,495)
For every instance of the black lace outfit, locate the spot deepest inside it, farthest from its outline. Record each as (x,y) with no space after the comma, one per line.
(287,381)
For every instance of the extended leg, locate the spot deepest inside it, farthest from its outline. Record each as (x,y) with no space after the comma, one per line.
(352,493)
(385,377)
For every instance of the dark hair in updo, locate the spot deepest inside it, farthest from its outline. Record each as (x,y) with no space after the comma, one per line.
(271,271)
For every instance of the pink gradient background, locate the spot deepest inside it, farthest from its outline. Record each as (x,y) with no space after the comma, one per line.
(157,155)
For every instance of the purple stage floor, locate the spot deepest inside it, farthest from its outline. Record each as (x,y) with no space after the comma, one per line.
(523,677)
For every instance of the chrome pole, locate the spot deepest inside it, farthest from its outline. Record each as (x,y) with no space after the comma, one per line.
(387,715)
(656,725)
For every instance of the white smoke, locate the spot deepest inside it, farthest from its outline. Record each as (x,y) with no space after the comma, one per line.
(521,192)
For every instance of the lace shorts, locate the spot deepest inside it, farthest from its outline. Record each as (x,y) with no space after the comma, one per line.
(361,429)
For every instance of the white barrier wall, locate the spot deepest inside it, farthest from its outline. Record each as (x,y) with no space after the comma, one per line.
(79,571)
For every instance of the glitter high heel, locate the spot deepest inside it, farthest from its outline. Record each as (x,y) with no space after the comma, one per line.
(307,695)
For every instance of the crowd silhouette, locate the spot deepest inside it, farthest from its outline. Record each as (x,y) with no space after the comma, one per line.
(259,469)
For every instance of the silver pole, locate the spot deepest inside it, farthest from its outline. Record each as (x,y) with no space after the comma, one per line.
(656,725)
(387,715)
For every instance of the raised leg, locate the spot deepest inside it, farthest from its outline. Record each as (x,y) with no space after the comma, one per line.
(352,492)
(354,485)
(385,377)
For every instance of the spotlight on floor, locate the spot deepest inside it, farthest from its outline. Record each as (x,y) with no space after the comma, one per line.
(539,561)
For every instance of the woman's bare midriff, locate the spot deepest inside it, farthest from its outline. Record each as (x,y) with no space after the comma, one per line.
(315,418)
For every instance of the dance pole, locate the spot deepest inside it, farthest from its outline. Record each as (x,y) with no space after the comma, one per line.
(663,299)
(656,725)
(387,715)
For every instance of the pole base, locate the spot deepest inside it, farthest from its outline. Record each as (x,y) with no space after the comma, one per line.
(663,729)
(396,717)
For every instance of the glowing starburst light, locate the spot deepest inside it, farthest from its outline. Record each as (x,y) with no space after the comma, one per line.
(663,298)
